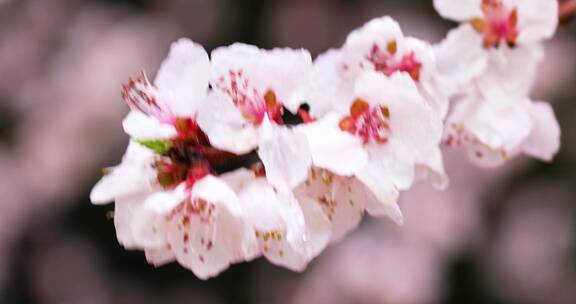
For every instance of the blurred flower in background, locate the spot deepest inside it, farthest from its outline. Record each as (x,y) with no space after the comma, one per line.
(495,236)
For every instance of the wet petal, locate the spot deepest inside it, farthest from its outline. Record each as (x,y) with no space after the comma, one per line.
(285,237)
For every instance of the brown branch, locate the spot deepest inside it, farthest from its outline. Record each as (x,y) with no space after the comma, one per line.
(567,10)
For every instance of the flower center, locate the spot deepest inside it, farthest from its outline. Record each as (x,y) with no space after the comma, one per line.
(370,124)
(253,104)
(499,25)
(386,61)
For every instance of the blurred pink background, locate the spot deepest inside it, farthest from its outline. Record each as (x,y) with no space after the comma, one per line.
(495,236)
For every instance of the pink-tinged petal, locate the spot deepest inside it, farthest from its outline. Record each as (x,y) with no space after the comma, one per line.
(183,77)
(510,72)
(281,226)
(141,126)
(136,226)
(163,202)
(544,139)
(285,154)
(208,232)
(225,126)
(159,256)
(537,19)
(460,58)
(329,146)
(459,10)
(327,90)
(342,199)
(133,176)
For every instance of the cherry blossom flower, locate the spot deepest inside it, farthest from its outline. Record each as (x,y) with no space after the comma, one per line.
(290,231)
(378,46)
(497,41)
(495,130)
(167,108)
(251,90)
(378,137)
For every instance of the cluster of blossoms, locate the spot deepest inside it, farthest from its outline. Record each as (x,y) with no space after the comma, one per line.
(252,152)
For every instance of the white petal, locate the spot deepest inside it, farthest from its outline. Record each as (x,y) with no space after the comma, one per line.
(414,125)
(382,194)
(286,157)
(544,139)
(136,226)
(510,71)
(329,146)
(183,77)
(460,58)
(379,31)
(327,90)
(140,126)
(283,71)
(432,168)
(430,84)
(280,223)
(459,10)
(537,19)
(341,198)
(134,175)
(209,239)
(493,130)
(159,256)
(501,126)
(225,127)
(163,202)
(238,179)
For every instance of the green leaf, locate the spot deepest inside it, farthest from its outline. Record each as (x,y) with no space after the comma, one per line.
(159,146)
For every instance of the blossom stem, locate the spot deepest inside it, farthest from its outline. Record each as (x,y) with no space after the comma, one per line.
(567,10)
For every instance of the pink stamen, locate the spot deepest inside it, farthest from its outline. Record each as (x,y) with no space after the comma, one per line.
(253,104)
(141,95)
(388,63)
